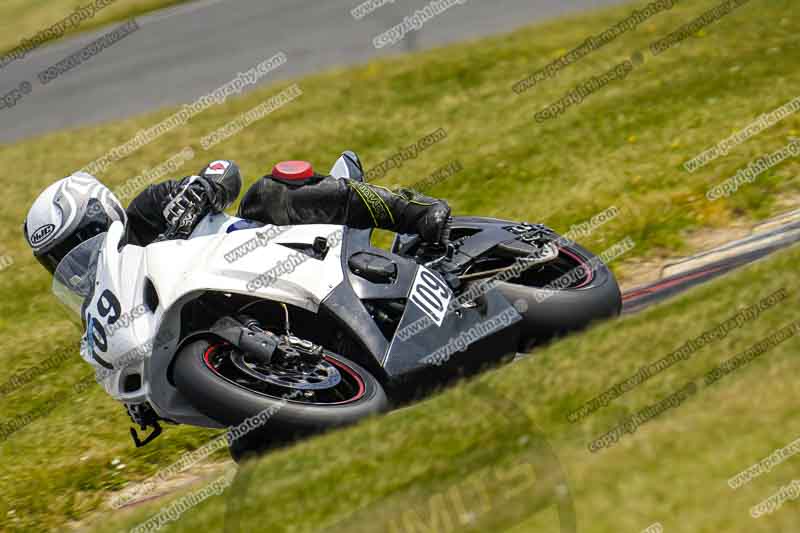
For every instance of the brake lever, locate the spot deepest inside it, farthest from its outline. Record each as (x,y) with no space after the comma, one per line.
(449,252)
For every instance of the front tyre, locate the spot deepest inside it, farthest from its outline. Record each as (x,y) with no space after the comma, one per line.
(219,381)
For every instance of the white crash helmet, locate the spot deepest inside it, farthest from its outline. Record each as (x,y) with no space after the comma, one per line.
(67,213)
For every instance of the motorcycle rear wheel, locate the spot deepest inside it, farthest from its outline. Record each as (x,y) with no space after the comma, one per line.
(562,296)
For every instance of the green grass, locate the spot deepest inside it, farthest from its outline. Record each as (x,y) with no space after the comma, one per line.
(470,443)
(623,146)
(23,19)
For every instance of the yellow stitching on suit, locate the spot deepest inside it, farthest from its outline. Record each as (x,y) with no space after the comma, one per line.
(374,203)
(386,207)
(375,220)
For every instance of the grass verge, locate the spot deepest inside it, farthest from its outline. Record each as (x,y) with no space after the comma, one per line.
(23,19)
(623,146)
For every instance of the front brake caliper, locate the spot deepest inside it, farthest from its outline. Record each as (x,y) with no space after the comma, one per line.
(253,341)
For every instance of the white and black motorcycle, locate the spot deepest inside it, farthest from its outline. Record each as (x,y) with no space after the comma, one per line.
(311,323)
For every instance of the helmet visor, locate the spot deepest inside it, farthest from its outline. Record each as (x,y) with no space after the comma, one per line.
(94,222)
(73,278)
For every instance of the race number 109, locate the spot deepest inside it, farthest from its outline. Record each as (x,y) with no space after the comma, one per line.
(430,294)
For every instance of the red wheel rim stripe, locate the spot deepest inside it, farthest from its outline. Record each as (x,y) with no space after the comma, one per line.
(589,272)
(207,355)
(362,388)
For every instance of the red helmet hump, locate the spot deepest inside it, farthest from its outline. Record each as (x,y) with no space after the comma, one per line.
(293,170)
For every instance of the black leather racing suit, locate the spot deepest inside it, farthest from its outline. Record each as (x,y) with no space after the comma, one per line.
(313,200)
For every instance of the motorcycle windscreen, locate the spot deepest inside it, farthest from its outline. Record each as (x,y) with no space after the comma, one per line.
(74,276)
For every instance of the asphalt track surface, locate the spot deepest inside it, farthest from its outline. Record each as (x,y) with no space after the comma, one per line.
(642,297)
(184,52)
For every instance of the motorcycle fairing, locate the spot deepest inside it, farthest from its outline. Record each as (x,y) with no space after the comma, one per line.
(412,354)
(180,271)
(400,357)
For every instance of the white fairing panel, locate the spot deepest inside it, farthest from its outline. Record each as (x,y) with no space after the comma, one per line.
(113,338)
(245,261)
(208,261)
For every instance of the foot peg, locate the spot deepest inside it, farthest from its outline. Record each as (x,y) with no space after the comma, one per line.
(149,438)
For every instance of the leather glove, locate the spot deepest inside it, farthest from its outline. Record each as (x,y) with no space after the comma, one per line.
(434,226)
(188,206)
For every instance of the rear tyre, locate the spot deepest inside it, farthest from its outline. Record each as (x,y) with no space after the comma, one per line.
(563,296)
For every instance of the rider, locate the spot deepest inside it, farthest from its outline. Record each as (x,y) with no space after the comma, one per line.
(78,207)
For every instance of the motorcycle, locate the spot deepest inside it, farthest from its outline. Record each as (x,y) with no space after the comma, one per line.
(311,324)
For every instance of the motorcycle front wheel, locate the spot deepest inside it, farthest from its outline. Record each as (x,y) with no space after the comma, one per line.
(281,402)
